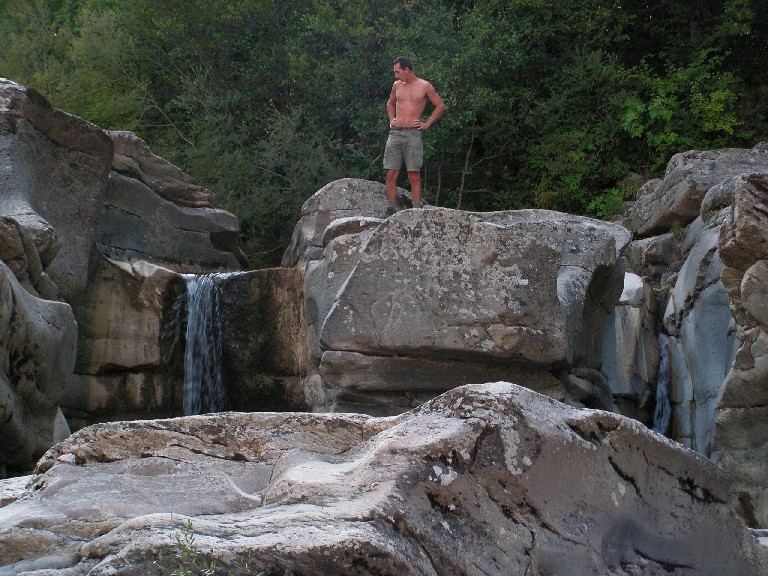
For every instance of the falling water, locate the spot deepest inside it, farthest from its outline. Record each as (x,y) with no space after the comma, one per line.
(663,410)
(203,384)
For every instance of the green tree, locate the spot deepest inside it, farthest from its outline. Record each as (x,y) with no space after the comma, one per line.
(551,103)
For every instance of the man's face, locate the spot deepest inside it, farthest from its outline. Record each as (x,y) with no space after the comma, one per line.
(400,73)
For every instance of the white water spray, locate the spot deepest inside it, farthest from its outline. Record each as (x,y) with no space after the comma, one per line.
(203,383)
(663,410)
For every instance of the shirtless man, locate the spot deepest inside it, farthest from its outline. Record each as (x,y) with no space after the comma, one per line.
(405,106)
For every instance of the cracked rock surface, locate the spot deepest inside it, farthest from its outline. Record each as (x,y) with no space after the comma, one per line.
(485,479)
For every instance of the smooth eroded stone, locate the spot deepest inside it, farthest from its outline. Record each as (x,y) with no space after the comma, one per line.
(37,356)
(485,479)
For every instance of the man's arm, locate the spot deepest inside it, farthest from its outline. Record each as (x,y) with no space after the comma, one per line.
(392,105)
(437,102)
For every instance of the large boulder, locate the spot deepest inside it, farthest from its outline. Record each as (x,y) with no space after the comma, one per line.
(676,199)
(348,197)
(741,433)
(527,287)
(53,174)
(37,356)
(517,295)
(486,479)
(155,212)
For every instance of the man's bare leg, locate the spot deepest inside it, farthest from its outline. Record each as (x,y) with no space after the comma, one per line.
(391,186)
(415,178)
(391,191)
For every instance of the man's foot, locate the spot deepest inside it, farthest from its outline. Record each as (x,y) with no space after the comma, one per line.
(390,211)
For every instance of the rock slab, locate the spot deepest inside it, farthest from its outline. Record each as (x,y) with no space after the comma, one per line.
(485,479)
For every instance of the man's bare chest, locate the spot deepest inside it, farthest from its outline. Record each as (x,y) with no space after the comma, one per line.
(407,93)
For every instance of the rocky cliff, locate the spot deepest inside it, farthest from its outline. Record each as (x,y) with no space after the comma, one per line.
(399,324)
(82,214)
(705,268)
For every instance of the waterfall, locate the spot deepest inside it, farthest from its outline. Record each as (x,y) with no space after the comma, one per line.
(203,383)
(663,410)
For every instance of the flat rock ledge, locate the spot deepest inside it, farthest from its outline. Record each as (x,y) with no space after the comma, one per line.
(485,479)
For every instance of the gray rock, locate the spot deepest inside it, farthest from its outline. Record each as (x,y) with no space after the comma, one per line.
(125,367)
(348,197)
(690,175)
(741,433)
(744,237)
(327,275)
(37,356)
(349,225)
(704,344)
(134,159)
(403,374)
(53,173)
(630,349)
(485,479)
(522,287)
(754,293)
(155,212)
(123,314)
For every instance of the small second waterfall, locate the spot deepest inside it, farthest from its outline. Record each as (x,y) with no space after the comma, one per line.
(663,410)
(203,382)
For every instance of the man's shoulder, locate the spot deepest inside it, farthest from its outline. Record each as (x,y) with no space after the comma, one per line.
(425,84)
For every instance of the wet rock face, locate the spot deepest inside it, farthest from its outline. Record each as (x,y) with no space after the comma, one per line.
(264,334)
(473,482)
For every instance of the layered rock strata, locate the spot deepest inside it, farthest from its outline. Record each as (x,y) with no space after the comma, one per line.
(741,430)
(155,212)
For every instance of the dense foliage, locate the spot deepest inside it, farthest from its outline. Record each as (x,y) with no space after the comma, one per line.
(551,103)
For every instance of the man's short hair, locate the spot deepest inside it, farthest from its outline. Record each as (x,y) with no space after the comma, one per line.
(404,63)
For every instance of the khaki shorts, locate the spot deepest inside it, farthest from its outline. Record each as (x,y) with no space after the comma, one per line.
(404,144)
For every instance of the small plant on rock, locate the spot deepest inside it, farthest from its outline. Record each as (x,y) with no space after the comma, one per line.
(189,560)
